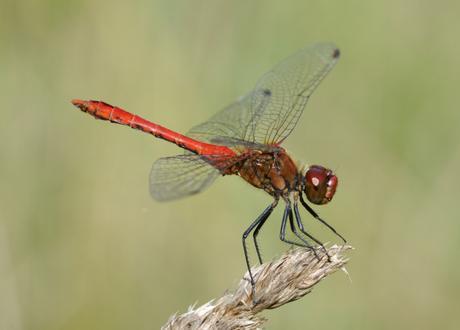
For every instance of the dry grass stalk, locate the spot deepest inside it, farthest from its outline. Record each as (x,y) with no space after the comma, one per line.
(278,282)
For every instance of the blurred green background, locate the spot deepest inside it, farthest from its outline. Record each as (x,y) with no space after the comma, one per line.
(82,244)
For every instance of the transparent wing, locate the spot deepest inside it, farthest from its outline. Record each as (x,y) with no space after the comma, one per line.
(228,125)
(180,176)
(269,113)
(282,93)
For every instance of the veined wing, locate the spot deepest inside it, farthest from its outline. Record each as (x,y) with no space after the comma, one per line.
(269,113)
(227,125)
(180,176)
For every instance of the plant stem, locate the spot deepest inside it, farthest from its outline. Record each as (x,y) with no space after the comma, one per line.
(278,282)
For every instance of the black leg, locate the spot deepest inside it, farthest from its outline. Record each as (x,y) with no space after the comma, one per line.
(287,213)
(294,231)
(260,218)
(317,217)
(259,226)
(301,228)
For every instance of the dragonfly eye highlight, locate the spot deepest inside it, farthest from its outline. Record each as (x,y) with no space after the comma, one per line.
(320,184)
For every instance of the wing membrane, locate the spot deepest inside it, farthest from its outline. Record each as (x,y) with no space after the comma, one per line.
(269,113)
(180,176)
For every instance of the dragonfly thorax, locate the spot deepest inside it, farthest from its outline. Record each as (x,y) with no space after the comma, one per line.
(274,172)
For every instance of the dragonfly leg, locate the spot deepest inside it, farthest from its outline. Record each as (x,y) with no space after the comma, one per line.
(257,223)
(294,231)
(301,228)
(317,217)
(288,213)
(259,226)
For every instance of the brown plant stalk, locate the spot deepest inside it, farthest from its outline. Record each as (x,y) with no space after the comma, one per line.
(278,282)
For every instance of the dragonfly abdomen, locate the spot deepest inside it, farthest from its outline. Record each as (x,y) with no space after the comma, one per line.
(105,111)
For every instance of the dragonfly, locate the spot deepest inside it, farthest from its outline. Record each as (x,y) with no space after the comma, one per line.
(244,139)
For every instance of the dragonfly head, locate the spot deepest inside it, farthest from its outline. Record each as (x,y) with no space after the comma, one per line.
(320,184)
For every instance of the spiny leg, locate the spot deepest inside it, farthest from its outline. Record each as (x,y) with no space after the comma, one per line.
(286,213)
(317,217)
(259,226)
(261,218)
(301,228)
(294,231)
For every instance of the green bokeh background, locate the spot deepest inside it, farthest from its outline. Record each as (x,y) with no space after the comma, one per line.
(82,244)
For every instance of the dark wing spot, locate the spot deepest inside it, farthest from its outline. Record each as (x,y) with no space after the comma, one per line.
(267,92)
(336,53)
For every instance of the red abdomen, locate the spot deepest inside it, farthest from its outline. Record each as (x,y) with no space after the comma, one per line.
(104,111)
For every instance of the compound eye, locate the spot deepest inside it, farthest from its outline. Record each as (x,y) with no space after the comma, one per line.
(320,184)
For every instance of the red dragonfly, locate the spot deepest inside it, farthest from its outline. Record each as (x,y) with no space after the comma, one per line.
(245,139)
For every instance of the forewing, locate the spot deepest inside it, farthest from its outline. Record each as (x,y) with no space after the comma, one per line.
(282,93)
(269,113)
(180,176)
(230,124)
